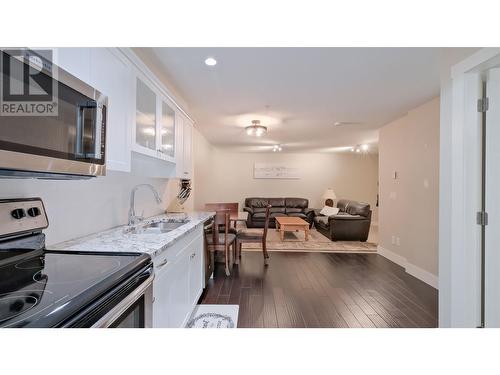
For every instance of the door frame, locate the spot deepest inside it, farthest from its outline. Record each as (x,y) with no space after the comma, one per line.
(460,191)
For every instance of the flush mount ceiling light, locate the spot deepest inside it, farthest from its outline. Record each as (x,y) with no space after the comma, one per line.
(256,129)
(277,148)
(210,61)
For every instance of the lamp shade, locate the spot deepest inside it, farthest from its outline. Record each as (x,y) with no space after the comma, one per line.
(329,194)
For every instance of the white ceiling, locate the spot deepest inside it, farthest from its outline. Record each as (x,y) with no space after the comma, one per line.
(306,91)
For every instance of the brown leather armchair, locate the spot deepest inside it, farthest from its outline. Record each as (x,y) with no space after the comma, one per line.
(352,223)
(256,208)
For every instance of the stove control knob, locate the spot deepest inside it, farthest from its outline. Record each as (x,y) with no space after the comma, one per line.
(33,211)
(18,213)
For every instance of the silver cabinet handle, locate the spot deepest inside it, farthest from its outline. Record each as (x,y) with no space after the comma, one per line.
(162,263)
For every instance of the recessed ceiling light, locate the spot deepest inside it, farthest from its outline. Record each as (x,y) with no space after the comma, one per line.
(341,123)
(364,147)
(210,61)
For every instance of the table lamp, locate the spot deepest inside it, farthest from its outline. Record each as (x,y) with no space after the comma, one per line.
(329,196)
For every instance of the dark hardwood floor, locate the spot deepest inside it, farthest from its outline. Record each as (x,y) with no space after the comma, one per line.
(323,290)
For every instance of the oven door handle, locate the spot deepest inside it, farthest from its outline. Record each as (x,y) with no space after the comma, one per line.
(144,289)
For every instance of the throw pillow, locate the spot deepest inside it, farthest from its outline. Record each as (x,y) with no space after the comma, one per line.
(329,211)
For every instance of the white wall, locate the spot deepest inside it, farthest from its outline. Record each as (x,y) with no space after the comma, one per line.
(227,176)
(409,204)
(77,208)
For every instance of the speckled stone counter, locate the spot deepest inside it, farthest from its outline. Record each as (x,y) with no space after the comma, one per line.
(122,239)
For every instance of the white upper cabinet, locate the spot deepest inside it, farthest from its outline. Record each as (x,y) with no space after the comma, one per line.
(187,151)
(167,130)
(145,119)
(142,116)
(184,145)
(111,74)
(155,127)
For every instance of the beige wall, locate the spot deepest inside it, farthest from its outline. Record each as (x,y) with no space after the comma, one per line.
(409,205)
(227,176)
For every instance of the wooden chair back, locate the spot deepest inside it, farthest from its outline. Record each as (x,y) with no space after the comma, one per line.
(266,222)
(220,224)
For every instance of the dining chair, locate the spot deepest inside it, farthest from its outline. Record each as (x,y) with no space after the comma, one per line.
(219,239)
(254,236)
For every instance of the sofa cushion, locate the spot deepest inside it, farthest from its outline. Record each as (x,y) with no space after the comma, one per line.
(293,210)
(358,208)
(277,209)
(342,204)
(261,216)
(296,203)
(321,221)
(259,209)
(346,216)
(297,214)
(276,214)
(256,202)
(277,202)
(353,207)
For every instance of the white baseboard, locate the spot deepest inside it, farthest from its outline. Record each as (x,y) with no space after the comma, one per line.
(410,268)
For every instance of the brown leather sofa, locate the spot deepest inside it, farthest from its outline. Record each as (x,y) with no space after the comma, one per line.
(256,208)
(352,223)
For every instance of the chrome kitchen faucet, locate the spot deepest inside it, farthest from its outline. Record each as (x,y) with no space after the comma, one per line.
(132,217)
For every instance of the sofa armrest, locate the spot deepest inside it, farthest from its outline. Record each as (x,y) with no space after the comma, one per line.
(248,209)
(308,210)
(317,211)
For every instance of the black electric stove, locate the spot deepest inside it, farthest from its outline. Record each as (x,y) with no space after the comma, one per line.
(43,288)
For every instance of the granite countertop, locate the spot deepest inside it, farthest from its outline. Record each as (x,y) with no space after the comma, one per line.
(121,239)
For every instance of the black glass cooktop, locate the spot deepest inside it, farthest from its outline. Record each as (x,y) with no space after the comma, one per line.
(42,288)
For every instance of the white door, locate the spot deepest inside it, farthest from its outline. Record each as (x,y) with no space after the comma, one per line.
(492,201)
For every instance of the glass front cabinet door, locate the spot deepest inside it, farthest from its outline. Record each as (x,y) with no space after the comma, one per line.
(154,123)
(167,130)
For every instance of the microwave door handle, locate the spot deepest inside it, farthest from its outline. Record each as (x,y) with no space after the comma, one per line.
(98,131)
(80,131)
(80,123)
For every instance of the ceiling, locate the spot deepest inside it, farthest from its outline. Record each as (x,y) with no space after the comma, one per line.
(299,93)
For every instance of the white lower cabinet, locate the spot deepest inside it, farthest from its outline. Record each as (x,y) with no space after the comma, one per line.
(161,298)
(178,282)
(196,269)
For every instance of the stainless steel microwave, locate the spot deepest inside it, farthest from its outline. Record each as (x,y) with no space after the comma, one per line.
(52,125)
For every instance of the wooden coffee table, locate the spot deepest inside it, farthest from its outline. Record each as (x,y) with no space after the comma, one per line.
(290,223)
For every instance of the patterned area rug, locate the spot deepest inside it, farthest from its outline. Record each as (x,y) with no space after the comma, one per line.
(294,241)
(214,316)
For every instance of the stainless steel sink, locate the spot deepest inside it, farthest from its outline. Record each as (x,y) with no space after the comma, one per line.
(157,227)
